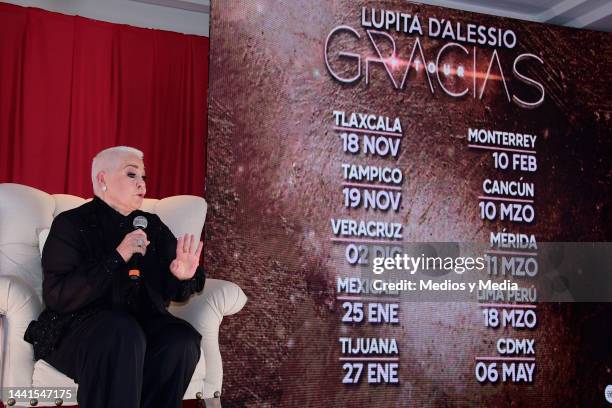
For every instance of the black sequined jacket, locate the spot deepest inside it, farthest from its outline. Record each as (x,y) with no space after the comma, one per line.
(83,272)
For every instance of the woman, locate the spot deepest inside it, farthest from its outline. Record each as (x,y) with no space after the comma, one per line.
(110,333)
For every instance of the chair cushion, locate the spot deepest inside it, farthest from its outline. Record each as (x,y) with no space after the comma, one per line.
(22,260)
(24,211)
(182,214)
(42,238)
(2,342)
(65,202)
(47,376)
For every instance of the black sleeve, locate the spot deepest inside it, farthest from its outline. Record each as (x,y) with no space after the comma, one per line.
(175,289)
(70,280)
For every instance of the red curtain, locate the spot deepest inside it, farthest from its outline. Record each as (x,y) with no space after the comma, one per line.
(72,86)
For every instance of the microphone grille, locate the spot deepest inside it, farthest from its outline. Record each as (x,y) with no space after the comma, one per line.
(140,222)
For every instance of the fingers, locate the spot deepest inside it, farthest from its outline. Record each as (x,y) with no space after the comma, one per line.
(138,241)
(137,236)
(138,233)
(186,243)
(179,245)
(134,242)
(140,247)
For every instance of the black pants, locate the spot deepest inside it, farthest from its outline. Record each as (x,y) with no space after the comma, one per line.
(118,361)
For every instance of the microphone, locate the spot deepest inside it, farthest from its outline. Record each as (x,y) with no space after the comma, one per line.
(139,222)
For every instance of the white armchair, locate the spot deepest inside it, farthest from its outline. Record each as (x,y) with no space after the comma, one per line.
(25,218)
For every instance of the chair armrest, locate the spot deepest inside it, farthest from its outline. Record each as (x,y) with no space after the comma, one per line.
(205,312)
(19,305)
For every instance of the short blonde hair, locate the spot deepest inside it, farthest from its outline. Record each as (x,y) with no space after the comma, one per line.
(109,160)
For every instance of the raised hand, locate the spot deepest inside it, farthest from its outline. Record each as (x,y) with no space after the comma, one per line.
(187,257)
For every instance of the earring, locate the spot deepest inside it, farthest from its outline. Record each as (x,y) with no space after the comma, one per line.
(103,188)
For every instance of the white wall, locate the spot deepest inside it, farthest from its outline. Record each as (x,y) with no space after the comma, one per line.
(130,12)
(589,14)
(192,16)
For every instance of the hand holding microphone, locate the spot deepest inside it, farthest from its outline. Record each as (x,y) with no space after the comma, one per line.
(133,243)
(134,246)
